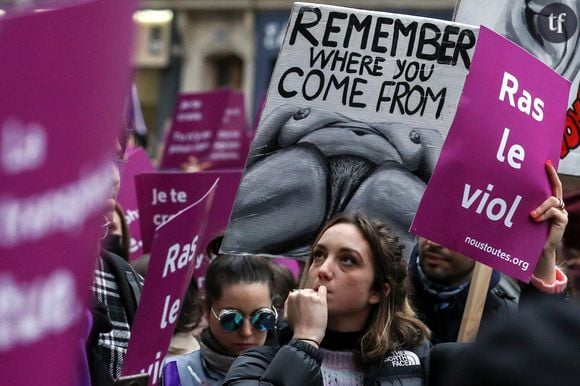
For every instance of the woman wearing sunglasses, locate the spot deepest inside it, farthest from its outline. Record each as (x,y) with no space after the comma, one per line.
(352,323)
(238,302)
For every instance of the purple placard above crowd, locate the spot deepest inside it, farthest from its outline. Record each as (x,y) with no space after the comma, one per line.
(57,133)
(209,131)
(161,195)
(356,113)
(170,269)
(512,112)
(550,30)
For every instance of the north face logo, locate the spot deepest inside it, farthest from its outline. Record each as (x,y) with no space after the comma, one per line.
(403,358)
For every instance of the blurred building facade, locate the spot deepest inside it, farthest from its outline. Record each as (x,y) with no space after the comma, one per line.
(200,45)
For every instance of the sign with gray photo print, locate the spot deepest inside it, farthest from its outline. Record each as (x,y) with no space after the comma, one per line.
(356,113)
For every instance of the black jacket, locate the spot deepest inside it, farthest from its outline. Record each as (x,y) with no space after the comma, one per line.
(298,364)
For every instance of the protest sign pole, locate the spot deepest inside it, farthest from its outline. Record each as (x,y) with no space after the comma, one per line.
(475,303)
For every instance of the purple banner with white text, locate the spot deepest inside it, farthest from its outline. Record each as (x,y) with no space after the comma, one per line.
(64,79)
(168,275)
(491,171)
(209,131)
(161,195)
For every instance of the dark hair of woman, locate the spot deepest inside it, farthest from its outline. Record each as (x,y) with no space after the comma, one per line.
(284,282)
(236,269)
(392,323)
(191,311)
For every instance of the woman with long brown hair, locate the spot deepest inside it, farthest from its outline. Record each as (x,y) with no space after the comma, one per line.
(351,322)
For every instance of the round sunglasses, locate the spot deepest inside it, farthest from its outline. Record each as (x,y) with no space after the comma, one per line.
(263,319)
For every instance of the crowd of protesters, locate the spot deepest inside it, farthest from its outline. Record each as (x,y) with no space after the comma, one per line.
(362,314)
(358,312)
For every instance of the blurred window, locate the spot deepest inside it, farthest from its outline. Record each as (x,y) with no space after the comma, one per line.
(227,71)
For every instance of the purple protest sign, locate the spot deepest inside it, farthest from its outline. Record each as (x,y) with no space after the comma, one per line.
(232,139)
(510,115)
(137,162)
(64,78)
(161,195)
(209,131)
(168,275)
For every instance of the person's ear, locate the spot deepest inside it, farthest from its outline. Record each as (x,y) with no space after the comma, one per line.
(375,295)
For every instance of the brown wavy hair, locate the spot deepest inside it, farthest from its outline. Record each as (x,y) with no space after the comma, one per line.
(392,322)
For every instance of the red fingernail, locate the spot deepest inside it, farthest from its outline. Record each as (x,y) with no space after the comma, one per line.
(549,162)
(534,213)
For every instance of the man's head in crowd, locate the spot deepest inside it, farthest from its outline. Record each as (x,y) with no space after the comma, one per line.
(442,265)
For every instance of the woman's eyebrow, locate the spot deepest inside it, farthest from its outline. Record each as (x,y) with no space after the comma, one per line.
(350,250)
(322,247)
(319,247)
(229,309)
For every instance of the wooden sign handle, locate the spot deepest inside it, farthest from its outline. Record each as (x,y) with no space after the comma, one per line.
(475,303)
